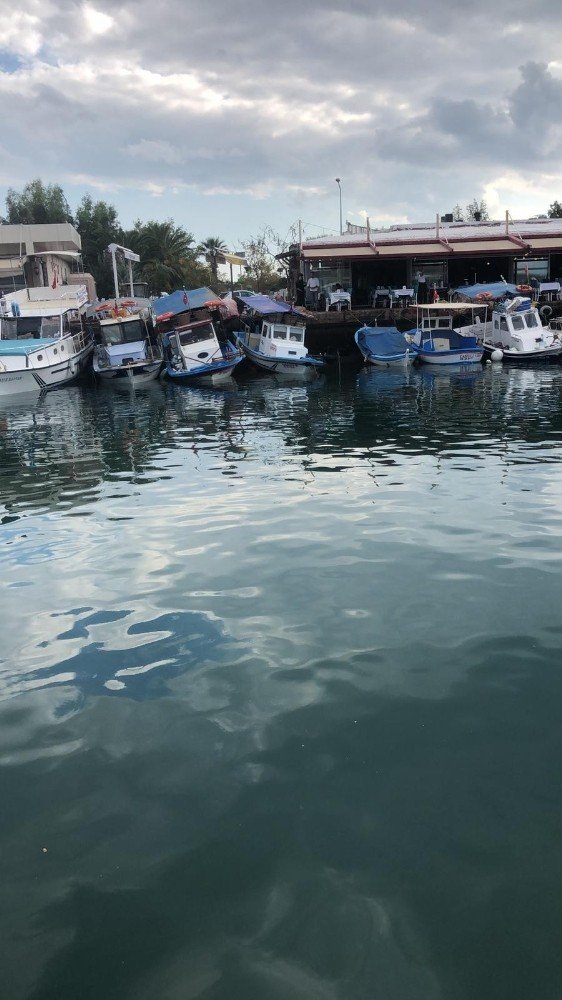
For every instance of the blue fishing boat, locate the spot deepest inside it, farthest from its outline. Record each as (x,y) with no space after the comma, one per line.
(434,340)
(384,346)
(191,348)
(272,337)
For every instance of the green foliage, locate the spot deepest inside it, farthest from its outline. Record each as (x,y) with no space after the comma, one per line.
(98,225)
(263,270)
(555,210)
(210,249)
(469,213)
(37,203)
(168,257)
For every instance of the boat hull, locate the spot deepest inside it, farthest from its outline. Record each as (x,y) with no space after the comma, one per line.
(135,374)
(303,367)
(457,358)
(545,354)
(28,375)
(380,361)
(212,374)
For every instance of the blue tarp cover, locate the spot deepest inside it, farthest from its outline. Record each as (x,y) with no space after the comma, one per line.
(23,347)
(382,341)
(182,300)
(263,304)
(493,290)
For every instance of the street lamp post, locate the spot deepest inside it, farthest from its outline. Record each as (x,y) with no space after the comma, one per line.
(338,182)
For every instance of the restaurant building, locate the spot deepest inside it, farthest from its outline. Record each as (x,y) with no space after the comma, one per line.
(364,260)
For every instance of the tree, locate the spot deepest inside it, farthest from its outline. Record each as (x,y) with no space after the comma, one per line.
(98,225)
(37,203)
(263,268)
(168,258)
(211,248)
(475,211)
(555,210)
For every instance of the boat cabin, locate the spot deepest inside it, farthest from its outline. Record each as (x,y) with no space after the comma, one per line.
(38,327)
(192,345)
(279,340)
(512,329)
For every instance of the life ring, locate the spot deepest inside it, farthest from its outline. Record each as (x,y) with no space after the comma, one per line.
(484,296)
(545,312)
(525,289)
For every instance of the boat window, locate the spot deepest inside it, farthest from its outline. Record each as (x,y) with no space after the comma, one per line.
(197,335)
(28,326)
(280,332)
(122,333)
(50,326)
(503,323)
(531,319)
(296,335)
(9,328)
(517,322)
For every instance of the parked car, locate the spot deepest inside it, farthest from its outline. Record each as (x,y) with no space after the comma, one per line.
(237,293)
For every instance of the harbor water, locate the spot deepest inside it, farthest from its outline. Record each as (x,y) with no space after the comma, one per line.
(281,686)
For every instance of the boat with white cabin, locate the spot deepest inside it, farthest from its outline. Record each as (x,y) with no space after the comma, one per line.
(44,342)
(272,337)
(515,332)
(436,342)
(126,349)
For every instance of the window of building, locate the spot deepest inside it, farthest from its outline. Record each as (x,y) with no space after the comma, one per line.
(531,267)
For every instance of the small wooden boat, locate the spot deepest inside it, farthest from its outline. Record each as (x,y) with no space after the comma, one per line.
(193,353)
(126,350)
(273,339)
(384,346)
(434,340)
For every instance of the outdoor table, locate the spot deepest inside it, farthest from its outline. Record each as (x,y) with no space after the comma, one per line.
(549,290)
(402,293)
(338,299)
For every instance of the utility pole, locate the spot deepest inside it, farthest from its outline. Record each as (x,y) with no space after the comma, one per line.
(338,182)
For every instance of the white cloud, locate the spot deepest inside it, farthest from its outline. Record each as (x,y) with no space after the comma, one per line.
(97,22)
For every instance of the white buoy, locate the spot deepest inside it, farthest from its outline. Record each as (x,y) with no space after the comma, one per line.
(496,354)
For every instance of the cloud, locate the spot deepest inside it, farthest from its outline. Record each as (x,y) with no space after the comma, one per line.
(414,109)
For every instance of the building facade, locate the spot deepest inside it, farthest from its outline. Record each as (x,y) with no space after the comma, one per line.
(37,256)
(450,254)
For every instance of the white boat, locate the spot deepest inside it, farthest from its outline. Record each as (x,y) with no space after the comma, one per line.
(434,340)
(193,353)
(272,339)
(516,329)
(126,349)
(44,343)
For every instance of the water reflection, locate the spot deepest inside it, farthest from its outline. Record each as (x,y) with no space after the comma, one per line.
(280,674)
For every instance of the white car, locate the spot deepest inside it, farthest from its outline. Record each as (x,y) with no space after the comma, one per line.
(237,293)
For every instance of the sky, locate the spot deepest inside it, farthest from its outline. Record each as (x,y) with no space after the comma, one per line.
(231,117)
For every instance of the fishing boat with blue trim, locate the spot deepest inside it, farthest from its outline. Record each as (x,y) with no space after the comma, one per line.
(44,343)
(515,331)
(272,337)
(434,340)
(384,346)
(192,350)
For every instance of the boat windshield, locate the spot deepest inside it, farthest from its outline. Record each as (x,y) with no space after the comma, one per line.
(30,327)
(122,333)
(531,319)
(197,335)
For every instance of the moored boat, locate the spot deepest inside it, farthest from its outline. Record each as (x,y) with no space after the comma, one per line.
(127,349)
(434,340)
(384,346)
(192,349)
(44,343)
(272,338)
(516,332)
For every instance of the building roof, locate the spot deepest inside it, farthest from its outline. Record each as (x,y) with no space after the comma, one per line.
(442,239)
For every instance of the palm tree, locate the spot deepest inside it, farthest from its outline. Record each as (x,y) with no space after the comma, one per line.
(210,249)
(165,250)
